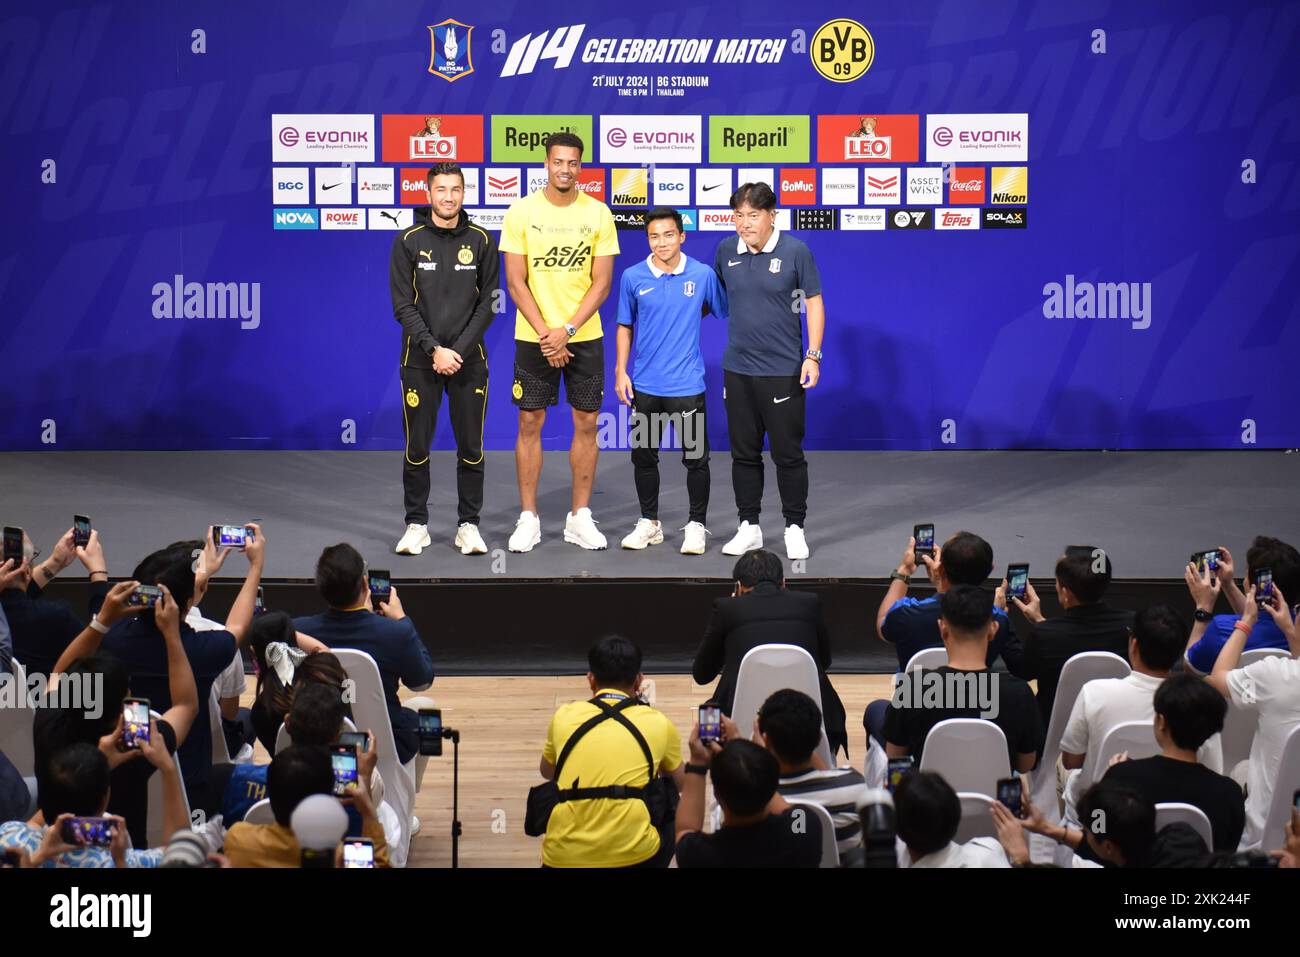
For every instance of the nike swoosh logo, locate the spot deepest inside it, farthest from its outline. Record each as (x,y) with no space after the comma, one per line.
(692,412)
(330,186)
(642,292)
(736,263)
(707,188)
(779,401)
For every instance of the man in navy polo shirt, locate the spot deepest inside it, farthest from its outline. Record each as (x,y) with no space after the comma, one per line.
(665,297)
(767,275)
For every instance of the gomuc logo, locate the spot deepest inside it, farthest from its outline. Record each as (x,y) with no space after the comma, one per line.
(213,300)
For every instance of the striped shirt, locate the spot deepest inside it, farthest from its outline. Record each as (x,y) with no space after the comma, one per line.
(836,790)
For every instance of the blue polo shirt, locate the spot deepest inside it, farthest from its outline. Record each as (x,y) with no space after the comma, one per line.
(666,309)
(913,623)
(764,331)
(1205,652)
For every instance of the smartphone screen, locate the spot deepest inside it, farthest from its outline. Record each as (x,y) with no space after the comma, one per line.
(710,723)
(924,535)
(1017,582)
(135,721)
(88,831)
(230,536)
(1206,560)
(381,585)
(898,767)
(145,596)
(358,852)
(13,545)
(259,603)
(430,731)
(343,759)
(1263,586)
(1009,793)
(355,739)
(80,530)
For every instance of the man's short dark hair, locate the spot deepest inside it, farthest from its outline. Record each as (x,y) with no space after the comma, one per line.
(340,573)
(317,713)
(446,169)
(615,661)
(664,212)
(1074,570)
(73,781)
(755,195)
(1282,558)
(967,559)
(1161,636)
(1193,710)
(967,609)
(1119,814)
(172,566)
(564,139)
(927,812)
(793,725)
(297,772)
(744,776)
(758,565)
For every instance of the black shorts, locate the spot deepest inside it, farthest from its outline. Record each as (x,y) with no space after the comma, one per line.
(537,382)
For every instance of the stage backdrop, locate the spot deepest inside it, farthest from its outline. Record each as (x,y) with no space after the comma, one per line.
(1039,224)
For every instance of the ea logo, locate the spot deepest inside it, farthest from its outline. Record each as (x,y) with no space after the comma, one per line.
(412,398)
(842,50)
(518,390)
(465,256)
(901,218)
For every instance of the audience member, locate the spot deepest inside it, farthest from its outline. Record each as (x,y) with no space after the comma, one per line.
(1204,647)
(927,813)
(284,656)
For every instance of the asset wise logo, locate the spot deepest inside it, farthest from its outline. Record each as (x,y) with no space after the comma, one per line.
(289,184)
(976,137)
(323,137)
(672,186)
(884,185)
(798,187)
(333,186)
(763,139)
(924,185)
(840,187)
(868,138)
(432,137)
(449,56)
(713,187)
(518,138)
(1009,185)
(966,185)
(651,139)
(536,179)
(629,187)
(910,219)
(502,185)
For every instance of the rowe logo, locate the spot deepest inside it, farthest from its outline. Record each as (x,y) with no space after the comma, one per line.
(559,45)
(131,911)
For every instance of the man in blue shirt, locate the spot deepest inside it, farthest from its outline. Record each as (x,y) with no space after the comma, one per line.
(389,637)
(768,276)
(1265,552)
(665,297)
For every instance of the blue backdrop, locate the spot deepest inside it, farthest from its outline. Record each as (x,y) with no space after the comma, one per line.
(162,165)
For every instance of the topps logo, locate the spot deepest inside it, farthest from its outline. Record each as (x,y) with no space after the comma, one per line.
(529,139)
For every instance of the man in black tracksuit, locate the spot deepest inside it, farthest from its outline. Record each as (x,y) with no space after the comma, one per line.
(444,278)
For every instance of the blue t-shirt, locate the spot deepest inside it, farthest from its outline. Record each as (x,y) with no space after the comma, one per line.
(666,309)
(912,624)
(764,329)
(1205,652)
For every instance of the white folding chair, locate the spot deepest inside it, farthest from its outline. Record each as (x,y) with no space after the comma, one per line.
(16,725)
(770,668)
(1239,726)
(220,752)
(283,739)
(1259,654)
(969,753)
(1138,738)
(260,813)
(1174,812)
(370,710)
(154,821)
(928,658)
(830,848)
(1284,786)
(976,819)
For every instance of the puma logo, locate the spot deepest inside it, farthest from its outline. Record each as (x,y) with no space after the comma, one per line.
(426,254)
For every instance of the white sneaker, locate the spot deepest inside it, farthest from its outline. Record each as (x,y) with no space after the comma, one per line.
(693,543)
(795,545)
(469,541)
(414,541)
(580,529)
(527,533)
(646,532)
(747,538)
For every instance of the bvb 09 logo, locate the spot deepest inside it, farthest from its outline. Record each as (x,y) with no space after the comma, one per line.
(842,50)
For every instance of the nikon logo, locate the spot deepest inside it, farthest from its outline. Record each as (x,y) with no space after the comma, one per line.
(749,140)
(1011,199)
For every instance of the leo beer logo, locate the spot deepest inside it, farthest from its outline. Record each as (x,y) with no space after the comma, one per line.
(966,185)
(868,138)
(592,182)
(909,219)
(798,187)
(432,138)
(1003,217)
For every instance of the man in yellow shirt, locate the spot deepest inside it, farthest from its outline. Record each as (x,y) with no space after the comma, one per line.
(609,832)
(559,247)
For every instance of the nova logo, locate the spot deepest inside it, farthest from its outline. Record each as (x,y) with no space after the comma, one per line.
(559,45)
(295,219)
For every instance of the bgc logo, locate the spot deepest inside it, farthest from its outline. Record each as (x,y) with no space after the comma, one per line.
(289,184)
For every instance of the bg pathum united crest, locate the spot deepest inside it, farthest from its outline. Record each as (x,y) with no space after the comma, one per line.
(450,54)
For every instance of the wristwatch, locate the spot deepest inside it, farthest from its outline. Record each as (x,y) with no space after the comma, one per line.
(571,329)
(814,354)
(697,769)
(1203,615)
(899,576)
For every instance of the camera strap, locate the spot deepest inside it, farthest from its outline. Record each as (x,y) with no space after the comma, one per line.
(617,791)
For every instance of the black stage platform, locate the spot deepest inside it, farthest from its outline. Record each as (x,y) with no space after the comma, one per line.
(501,614)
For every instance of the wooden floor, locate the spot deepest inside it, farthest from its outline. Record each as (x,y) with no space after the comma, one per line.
(503,722)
